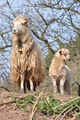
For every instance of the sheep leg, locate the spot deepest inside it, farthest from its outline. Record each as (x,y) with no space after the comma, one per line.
(22,83)
(62,81)
(68,89)
(24,87)
(34,86)
(54,85)
(31,85)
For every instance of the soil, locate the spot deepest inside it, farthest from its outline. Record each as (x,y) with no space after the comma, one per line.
(9,111)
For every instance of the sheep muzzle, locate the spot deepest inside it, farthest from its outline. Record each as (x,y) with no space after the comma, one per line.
(20,50)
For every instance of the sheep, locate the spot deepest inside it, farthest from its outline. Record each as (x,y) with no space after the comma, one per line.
(59,72)
(67,83)
(26,63)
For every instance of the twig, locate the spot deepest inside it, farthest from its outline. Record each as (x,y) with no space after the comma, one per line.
(5,88)
(34,110)
(65,103)
(47,103)
(12,101)
(76,104)
(67,112)
(2,107)
(15,104)
(62,112)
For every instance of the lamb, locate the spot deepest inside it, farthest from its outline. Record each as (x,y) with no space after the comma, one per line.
(60,73)
(26,63)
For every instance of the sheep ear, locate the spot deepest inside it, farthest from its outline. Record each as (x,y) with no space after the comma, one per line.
(25,21)
(12,23)
(60,52)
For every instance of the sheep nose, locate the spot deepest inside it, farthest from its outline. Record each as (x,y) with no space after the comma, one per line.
(14,31)
(69,59)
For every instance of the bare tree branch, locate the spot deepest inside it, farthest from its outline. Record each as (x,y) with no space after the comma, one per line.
(49,47)
(10,8)
(74,26)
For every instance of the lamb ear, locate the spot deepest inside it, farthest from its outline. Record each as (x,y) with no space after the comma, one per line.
(12,23)
(25,21)
(60,52)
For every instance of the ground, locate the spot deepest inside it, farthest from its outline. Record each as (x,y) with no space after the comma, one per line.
(9,110)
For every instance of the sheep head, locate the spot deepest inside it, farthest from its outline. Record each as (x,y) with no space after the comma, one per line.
(64,53)
(19,25)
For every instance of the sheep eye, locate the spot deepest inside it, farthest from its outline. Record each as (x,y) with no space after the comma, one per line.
(22,24)
(65,55)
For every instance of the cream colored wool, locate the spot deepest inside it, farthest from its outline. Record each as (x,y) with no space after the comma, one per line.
(60,73)
(26,64)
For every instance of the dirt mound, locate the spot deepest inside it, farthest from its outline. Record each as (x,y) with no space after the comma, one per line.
(11,109)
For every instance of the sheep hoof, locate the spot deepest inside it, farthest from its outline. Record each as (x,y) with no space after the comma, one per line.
(21,91)
(32,91)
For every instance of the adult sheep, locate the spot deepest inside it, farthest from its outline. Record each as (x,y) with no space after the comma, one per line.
(26,64)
